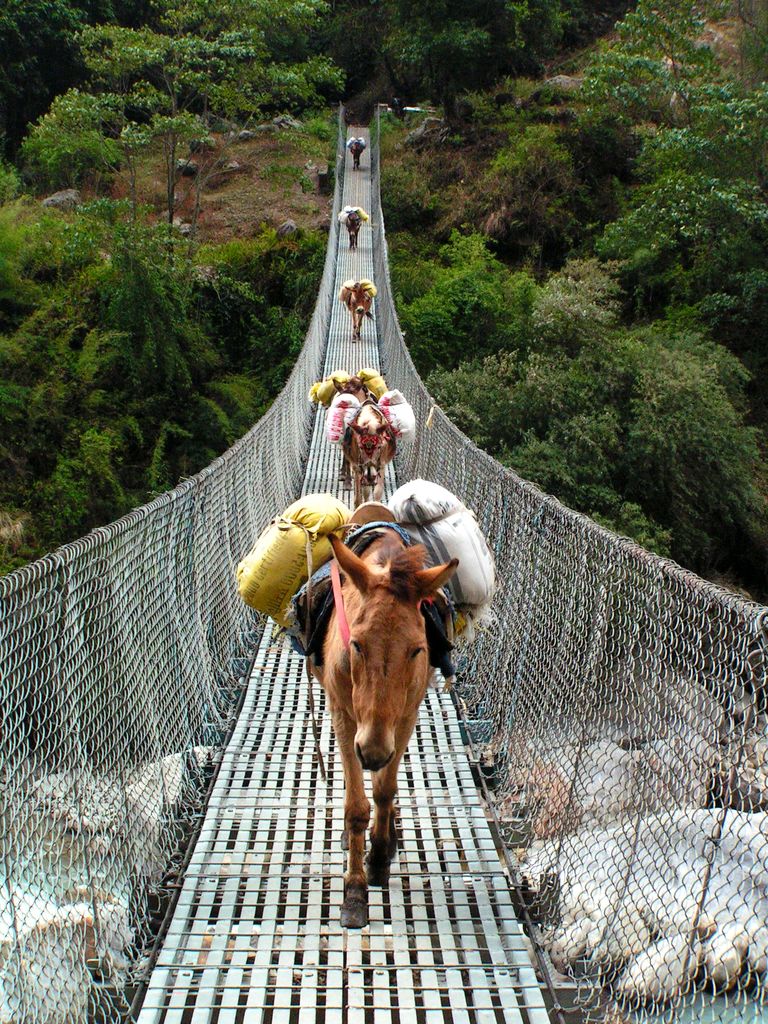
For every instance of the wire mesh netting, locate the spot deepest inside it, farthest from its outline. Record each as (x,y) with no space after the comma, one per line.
(622,706)
(122,659)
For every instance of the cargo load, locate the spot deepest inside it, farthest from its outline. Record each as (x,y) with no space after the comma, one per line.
(400,414)
(324,391)
(365,283)
(373,380)
(343,408)
(344,214)
(276,566)
(356,139)
(448,529)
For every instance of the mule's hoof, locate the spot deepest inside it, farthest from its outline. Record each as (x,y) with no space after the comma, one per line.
(354,909)
(377,874)
(345,840)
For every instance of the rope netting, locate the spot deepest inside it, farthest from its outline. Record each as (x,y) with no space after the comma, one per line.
(620,703)
(122,659)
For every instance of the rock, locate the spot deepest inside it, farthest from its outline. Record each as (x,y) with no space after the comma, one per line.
(246,135)
(67,199)
(288,227)
(323,180)
(233,165)
(286,121)
(187,168)
(566,83)
(185,230)
(201,145)
(724,954)
(663,971)
(430,128)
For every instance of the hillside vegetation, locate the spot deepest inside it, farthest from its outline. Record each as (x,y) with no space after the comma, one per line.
(581,272)
(578,245)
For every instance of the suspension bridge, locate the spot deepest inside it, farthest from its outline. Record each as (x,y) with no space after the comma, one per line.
(619,698)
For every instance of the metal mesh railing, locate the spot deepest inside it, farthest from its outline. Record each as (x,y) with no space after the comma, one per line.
(621,702)
(122,658)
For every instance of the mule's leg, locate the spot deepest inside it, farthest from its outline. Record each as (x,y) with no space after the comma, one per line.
(358,489)
(357,814)
(345,476)
(378,489)
(384,831)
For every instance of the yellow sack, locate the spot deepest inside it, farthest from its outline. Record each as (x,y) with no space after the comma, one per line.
(367,285)
(362,214)
(324,390)
(276,566)
(373,381)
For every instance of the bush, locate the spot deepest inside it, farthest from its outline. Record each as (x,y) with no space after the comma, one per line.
(473,305)
(70,140)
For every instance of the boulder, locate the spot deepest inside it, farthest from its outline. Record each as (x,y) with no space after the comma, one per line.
(187,168)
(67,199)
(431,128)
(288,227)
(568,83)
(246,135)
(323,180)
(201,145)
(233,165)
(286,121)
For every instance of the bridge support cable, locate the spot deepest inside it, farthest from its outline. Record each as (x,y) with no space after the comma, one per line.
(256,934)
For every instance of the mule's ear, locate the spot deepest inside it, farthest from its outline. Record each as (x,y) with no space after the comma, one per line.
(353,566)
(430,580)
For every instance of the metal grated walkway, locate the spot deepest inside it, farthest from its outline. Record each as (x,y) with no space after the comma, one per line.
(255,936)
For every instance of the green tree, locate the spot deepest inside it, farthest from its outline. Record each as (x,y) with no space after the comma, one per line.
(450,47)
(40,57)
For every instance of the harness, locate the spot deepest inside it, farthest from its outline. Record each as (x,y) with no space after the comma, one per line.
(313,622)
(370,444)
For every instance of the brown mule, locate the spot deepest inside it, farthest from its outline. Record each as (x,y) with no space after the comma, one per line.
(368,448)
(375,673)
(358,301)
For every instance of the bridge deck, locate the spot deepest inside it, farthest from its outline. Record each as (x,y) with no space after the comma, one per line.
(255,936)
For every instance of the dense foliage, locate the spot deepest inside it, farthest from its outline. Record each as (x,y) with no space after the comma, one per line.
(129,358)
(597,320)
(122,370)
(581,263)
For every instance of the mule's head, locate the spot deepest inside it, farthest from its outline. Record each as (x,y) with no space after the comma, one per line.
(388,657)
(373,434)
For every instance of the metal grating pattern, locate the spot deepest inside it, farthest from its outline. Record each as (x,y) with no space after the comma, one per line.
(255,935)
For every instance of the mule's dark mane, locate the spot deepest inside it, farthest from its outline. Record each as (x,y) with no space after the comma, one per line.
(403,566)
